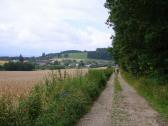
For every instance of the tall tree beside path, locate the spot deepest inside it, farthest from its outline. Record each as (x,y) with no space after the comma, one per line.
(140,44)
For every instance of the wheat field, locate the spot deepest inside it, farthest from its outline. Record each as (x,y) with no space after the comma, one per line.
(17,83)
(2,62)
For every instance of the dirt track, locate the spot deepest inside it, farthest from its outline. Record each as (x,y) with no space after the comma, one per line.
(100,114)
(124,109)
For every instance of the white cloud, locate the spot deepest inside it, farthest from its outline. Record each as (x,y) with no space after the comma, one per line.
(33,26)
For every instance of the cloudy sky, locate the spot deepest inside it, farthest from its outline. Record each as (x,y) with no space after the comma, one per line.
(30,27)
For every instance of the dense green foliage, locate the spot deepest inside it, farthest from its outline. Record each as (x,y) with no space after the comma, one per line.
(100,53)
(154,91)
(1,67)
(140,44)
(57,103)
(18,66)
(49,67)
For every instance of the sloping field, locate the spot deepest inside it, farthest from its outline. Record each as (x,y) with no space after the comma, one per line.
(81,55)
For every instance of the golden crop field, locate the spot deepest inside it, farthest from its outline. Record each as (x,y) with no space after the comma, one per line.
(18,83)
(3,62)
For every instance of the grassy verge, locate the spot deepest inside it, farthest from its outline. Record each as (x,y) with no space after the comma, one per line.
(152,89)
(118,87)
(119,115)
(57,103)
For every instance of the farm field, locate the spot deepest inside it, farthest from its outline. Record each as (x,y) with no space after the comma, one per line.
(58,102)
(17,83)
(82,55)
(2,62)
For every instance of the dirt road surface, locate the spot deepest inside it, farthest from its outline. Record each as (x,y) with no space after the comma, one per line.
(126,108)
(100,114)
(137,109)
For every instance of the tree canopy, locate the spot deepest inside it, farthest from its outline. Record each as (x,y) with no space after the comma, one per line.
(100,53)
(140,44)
(18,66)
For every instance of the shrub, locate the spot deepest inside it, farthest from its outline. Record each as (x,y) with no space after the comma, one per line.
(19,66)
(1,67)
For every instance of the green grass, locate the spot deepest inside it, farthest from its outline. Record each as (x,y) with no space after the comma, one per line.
(82,55)
(152,90)
(57,103)
(118,87)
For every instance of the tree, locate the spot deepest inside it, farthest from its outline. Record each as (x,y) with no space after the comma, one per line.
(21,59)
(140,44)
(100,53)
(43,54)
(19,66)
(1,67)
(66,55)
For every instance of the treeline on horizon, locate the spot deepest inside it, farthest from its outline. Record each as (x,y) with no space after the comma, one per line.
(99,53)
(17,66)
(140,44)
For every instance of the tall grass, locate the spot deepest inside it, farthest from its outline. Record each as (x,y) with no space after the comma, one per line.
(153,90)
(57,103)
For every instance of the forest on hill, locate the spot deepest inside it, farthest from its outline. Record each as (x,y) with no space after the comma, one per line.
(100,53)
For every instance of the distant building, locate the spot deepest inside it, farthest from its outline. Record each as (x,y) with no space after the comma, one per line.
(77,65)
(15,61)
(42,62)
(88,65)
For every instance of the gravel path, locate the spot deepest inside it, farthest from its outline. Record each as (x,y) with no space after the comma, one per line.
(139,112)
(125,108)
(100,114)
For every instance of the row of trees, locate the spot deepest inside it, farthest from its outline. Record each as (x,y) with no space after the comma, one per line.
(17,66)
(140,44)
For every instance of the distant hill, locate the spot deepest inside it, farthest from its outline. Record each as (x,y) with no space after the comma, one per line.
(100,53)
(71,51)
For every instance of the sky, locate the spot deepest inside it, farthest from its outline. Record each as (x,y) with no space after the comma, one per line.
(30,27)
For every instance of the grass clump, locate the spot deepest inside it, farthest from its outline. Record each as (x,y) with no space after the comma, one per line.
(118,87)
(153,90)
(60,102)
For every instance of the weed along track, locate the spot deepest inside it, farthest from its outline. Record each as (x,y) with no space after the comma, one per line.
(119,115)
